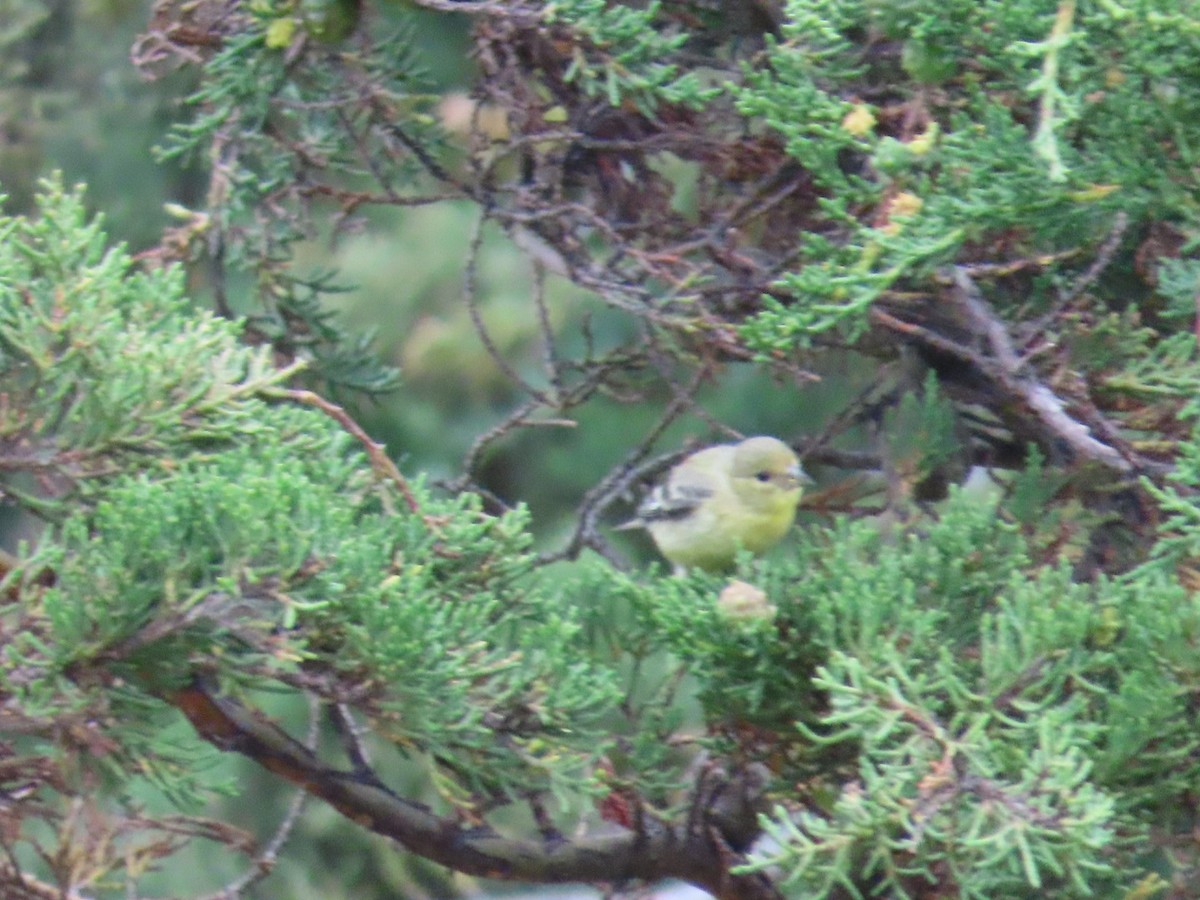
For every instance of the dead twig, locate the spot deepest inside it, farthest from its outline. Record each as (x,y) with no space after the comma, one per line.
(376,452)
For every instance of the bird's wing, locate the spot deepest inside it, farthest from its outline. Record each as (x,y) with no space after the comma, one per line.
(672,501)
(687,486)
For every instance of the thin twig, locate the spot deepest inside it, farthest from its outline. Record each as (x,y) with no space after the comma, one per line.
(342,718)
(1104,256)
(471,296)
(376,452)
(598,498)
(264,864)
(549,356)
(482,441)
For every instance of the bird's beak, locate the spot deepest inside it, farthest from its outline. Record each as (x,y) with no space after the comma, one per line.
(798,475)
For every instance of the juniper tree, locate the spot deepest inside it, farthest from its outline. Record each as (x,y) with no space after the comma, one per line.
(959,235)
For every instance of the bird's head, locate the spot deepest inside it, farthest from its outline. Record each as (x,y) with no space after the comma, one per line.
(766,473)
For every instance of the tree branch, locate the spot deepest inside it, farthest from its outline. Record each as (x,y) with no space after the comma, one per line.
(655,852)
(1026,404)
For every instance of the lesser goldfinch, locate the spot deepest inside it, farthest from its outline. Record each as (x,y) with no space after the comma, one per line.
(723,499)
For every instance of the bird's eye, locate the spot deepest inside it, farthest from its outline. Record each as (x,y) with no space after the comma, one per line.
(763,476)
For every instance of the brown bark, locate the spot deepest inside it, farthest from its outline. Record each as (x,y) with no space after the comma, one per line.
(693,851)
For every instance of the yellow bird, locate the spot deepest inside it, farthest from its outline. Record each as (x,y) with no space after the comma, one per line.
(723,499)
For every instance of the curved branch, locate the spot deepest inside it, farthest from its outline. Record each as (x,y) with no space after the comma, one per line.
(979,346)
(656,851)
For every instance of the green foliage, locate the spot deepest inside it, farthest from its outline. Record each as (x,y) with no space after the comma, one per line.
(958,709)
(988,172)
(216,513)
(629,49)
(252,86)
(1006,729)
(744,674)
(979,697)
(1000,757)
(108,367)
(924,424)
(796,94)
(1181,526)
